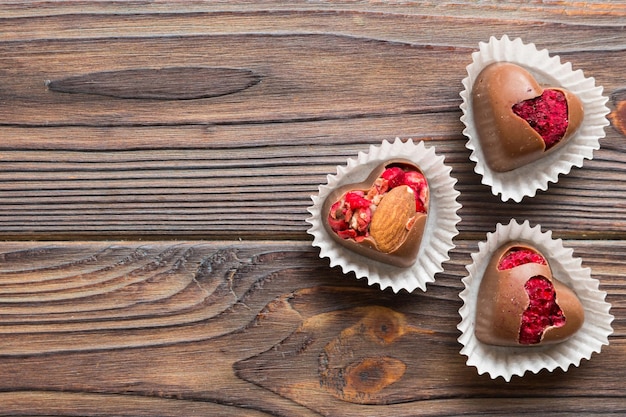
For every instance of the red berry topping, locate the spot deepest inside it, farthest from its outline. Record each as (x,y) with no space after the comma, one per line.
(357,200)
(336,217)
(547,114)
(394,176)
(519,256)
(417,182)
(542,311)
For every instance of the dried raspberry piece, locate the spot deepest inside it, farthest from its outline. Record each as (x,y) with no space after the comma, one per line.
(414,179)
(542,311)
(419,205)
(347,234)
(336,217)
(356,200)
(394,176)
(519,256)
(350,217)
(547,114)
(417,182)
(361,220)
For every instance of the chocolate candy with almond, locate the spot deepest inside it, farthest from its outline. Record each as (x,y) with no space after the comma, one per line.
(382,217)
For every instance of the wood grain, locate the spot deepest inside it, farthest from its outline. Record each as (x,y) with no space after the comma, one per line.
(258,190)
(118,135)
(261,326)
(156,164)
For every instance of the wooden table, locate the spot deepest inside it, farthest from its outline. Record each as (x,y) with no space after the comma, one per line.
(156,163)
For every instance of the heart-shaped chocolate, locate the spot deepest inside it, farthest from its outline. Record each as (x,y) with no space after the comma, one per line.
(382,217)
(520,303)
(517,120)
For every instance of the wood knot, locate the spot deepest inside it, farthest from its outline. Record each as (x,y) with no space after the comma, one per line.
(618,115)
(370,375)
(385,326)
(172,83)
(356,365)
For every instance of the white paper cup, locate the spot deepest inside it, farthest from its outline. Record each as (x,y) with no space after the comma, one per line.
(440,226)
(499,361)
(548,71)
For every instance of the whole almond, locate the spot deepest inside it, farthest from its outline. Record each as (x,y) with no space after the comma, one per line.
(392,219)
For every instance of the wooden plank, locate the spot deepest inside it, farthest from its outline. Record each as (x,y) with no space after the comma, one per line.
(310,77)
(265,327)
(392,23)
(83,160)
(35,403)
(584,12)
(261,188)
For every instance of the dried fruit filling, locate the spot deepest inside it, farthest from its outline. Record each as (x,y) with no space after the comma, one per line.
(519,256)
(351,215)
(542,311)
(547,114)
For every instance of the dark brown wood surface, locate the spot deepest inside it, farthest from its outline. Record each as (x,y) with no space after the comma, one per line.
(156,163)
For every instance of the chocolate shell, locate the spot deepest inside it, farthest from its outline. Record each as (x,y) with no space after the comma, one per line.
(507,140)
(401,255)
(502,300)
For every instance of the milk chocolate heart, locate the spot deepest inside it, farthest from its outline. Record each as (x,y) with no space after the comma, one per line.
(382,217)
(520,303)
(517,120)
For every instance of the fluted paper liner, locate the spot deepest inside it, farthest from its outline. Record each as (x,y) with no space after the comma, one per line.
(548,71)
(440,226)
(499,361)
